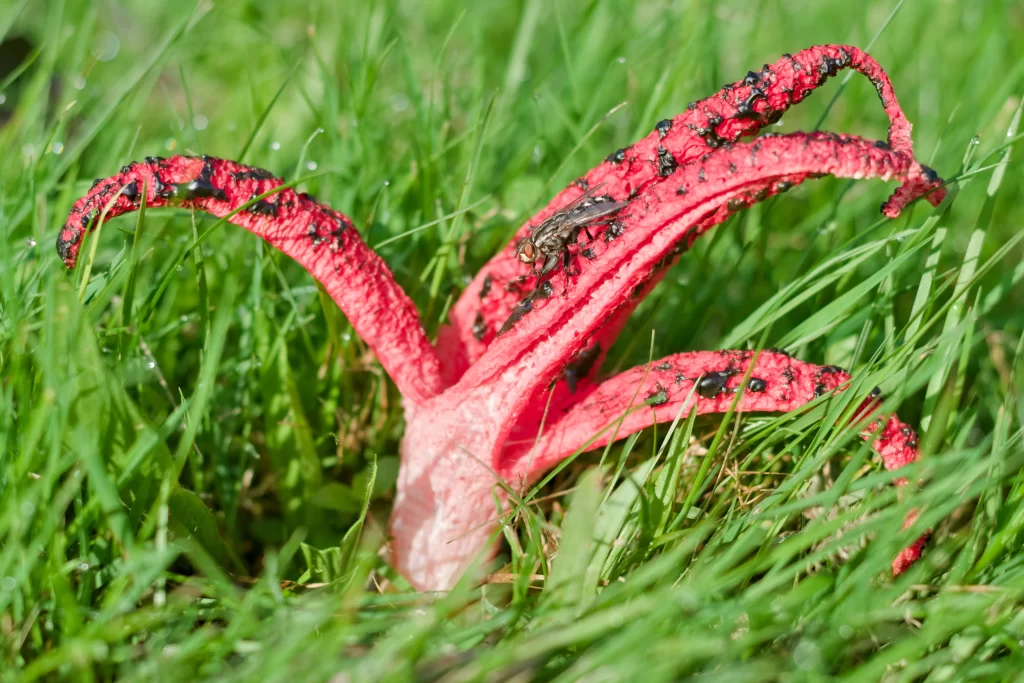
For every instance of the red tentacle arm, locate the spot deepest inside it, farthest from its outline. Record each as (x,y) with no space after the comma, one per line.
(707,381)
(738,110)
(657,226)
(321,239)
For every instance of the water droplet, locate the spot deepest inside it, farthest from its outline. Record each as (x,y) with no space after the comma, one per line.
(3,98)
(976,140)
(181,267)
(311,165)
(779,122)
(275,145)
(807,655)
(151,365)
(845,631)
(200,122)
(170,144)
(386,183)
(30,242)
(538,153)
(79,82)
(105,46)
(621,60)
(57,147)
(346,336)
(83,567)
(399,102)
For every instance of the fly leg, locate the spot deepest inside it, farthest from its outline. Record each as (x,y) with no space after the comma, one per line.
(566,265)
(549,264)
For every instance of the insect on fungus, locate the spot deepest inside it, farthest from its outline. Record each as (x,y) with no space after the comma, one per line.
(549,242)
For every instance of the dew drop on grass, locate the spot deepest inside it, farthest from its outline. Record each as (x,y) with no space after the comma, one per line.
(151,365)
(106,46)
(807,655)
(30,242)
(399,102)
(200,122)
(275,145)
(311,165)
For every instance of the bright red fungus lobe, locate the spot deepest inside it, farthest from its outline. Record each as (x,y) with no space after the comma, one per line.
(318,237)
(511,388)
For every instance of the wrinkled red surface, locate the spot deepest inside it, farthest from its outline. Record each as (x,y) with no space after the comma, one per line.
(686,137)
(487,410)
(321,239)
(663,388)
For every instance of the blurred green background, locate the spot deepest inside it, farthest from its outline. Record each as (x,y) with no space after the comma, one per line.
(187,436)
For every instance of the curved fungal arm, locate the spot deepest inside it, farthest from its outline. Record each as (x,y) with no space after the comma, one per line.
(707,381)
(656,227)
(322,240)
(737,110)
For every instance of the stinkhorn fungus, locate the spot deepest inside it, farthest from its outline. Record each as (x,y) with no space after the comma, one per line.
(511,387)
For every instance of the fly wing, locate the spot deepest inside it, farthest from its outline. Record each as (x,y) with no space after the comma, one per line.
(579,201)
(566,217)
(589,214)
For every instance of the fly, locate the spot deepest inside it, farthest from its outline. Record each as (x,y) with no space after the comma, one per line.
(549,241)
